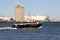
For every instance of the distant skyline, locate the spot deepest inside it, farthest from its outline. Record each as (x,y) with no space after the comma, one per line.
(34,7)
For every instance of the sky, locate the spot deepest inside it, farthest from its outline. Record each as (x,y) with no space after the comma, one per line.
(34,7)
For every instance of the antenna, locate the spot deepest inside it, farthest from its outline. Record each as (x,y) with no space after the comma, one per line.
(29,14)
(46,12)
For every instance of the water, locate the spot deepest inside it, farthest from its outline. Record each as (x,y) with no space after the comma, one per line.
(50,31)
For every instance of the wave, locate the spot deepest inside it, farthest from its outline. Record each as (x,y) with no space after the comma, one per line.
(4,28)
(40,27)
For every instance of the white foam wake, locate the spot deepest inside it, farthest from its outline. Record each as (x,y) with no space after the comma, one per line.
(40,27)
(3,28)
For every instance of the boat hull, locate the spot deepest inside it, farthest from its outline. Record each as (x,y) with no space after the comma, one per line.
(27,25)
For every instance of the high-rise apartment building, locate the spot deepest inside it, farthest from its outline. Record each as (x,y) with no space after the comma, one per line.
(19,13)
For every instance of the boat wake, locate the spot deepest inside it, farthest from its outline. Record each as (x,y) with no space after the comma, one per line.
(40,27)
(4,28)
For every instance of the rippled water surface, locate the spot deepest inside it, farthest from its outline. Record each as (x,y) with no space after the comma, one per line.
(50,31)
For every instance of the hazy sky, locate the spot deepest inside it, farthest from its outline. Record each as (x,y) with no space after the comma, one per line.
(34,7)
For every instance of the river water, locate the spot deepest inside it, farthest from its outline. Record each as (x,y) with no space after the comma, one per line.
(49,31)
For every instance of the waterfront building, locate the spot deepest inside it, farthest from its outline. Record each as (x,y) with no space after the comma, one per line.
(35,18)
(19,13)
(30,18)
